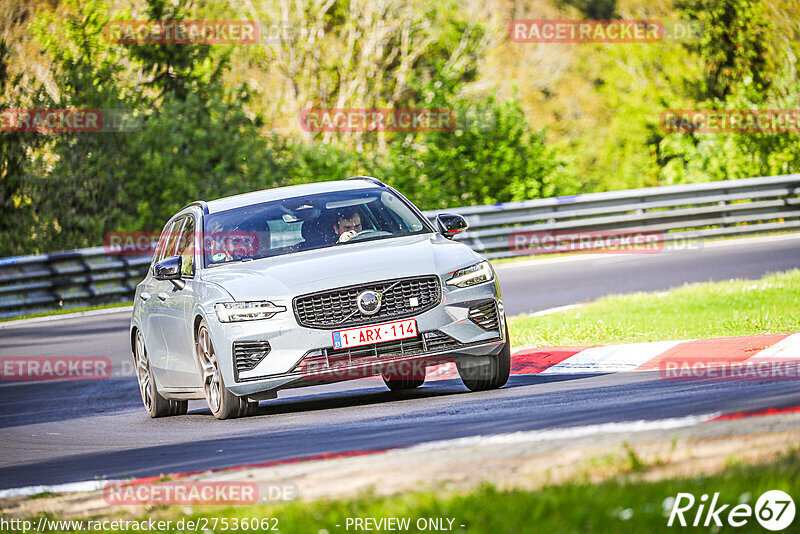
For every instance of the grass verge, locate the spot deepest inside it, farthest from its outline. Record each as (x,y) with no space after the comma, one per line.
(627,503)
(693,311)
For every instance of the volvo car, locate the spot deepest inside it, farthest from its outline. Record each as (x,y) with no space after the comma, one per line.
(307,285)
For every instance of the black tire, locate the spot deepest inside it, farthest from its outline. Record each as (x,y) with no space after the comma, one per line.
(179,407)
(155,404)
(400,384)
(222,403)
(490,376)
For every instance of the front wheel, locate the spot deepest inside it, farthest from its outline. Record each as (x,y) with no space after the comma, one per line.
(490,376)
(154,403)
(222,403)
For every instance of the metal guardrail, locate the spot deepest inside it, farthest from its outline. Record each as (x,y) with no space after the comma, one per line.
(29,284)
(678,212)
(84,277)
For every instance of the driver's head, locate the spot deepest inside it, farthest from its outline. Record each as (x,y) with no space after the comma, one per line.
(346,220)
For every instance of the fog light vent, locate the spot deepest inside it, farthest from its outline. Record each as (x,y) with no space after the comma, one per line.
(248,354)
(485,315)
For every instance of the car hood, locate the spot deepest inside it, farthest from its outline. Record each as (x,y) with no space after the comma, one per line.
(315,270)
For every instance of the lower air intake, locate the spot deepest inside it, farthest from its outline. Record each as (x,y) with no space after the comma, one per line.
(485,316)
(248,354)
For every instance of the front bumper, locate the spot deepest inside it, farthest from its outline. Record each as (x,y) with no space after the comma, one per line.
(289,343)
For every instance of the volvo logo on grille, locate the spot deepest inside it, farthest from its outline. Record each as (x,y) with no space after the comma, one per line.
(368,302)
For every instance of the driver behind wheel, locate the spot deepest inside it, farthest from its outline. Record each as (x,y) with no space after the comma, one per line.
(347,225)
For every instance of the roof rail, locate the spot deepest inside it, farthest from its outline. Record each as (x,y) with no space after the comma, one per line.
(369,179)
(201,203)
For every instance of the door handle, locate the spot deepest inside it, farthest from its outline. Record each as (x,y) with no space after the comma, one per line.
(144,296)
(163,296)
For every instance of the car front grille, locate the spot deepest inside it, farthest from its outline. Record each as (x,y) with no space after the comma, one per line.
(485,315)
(337,308)
(248,354)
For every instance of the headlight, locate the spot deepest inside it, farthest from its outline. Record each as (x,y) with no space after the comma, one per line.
(474,274)
(247,311)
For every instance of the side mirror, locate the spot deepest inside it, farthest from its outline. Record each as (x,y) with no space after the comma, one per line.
(451,224)
(170,269)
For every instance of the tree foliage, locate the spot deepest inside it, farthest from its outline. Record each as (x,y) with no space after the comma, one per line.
(743,71)
(215,120)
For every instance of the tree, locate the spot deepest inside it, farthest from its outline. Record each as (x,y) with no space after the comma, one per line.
(493,155)
(736,46)
(364,54)
(194,139)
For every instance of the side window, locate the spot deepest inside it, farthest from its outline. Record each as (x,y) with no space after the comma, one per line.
(186,247)
(166,245)
(158,252)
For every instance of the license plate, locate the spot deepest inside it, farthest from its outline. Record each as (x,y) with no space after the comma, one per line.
(366,335)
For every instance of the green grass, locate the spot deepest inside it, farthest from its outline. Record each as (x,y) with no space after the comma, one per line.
(693,311)
(42,495)
(622,504)
(63,311)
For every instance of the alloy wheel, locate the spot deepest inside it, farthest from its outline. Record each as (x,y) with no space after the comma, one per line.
(143,373)
(208,361)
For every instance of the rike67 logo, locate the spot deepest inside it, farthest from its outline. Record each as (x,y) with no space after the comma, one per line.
(774,510)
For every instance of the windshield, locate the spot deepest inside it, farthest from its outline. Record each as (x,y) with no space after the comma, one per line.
(306,223)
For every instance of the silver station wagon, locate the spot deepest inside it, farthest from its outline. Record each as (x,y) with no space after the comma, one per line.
(307,285)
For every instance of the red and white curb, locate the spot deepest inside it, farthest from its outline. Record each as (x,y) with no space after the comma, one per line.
(645,356)
(553,361)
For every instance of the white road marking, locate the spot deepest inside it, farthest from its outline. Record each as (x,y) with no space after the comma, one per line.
(71,487)
(65,316)
(611,358)
(786,349)
(549,261)
(729,242)
(534,436)
(550,311)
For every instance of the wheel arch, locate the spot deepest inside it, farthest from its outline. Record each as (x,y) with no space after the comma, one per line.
(196,324)
(132,337)
(199,316)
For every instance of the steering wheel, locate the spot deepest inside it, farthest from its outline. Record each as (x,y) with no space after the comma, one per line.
(364,234)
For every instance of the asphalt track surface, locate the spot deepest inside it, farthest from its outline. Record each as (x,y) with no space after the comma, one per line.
(58,432)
